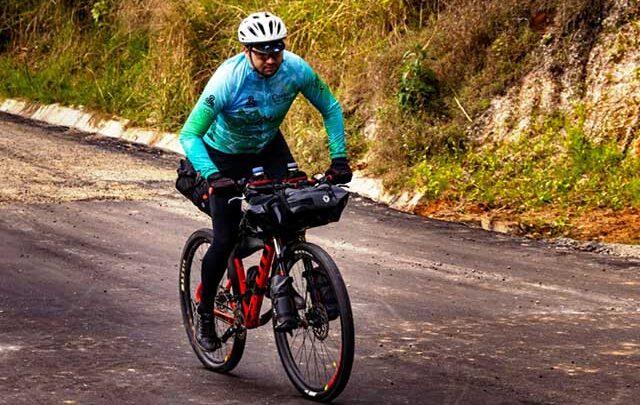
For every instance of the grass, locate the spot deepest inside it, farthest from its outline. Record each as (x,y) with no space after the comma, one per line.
(417,71)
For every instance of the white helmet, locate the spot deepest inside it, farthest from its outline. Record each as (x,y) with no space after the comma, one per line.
(261,27)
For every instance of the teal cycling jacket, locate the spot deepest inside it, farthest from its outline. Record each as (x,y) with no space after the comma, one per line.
(240,111)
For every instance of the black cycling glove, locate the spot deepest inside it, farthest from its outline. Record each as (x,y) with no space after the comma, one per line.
(339,172)
(221,186)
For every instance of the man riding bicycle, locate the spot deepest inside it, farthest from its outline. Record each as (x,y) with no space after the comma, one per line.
(234,127)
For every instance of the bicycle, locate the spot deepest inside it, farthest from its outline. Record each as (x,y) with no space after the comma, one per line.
(317,354)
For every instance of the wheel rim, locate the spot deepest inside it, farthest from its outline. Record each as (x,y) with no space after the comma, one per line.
(315,347)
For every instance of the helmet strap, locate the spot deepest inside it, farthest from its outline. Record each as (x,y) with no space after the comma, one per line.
(250,48)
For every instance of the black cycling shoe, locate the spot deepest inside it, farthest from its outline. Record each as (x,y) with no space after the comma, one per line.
(206,332)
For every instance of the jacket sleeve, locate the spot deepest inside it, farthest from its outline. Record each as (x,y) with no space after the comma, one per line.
(319,95)
(213,98)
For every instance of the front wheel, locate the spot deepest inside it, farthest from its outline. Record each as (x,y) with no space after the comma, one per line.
(318,355)
(227,357)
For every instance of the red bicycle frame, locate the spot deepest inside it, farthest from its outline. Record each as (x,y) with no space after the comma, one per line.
(250,309)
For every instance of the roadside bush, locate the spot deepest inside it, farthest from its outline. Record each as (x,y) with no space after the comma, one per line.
(419,86)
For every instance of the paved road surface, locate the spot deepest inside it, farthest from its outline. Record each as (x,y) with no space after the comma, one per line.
(445,314)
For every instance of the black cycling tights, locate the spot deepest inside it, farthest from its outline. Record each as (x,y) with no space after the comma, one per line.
(225,231)
(226,216)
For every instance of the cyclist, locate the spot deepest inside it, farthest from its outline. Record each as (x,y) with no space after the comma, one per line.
(234,127)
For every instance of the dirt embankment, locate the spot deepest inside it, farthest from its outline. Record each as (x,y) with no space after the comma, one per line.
(595,70)
(601,225)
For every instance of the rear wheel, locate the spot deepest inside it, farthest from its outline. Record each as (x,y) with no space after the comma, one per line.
(318,355)
(227,357)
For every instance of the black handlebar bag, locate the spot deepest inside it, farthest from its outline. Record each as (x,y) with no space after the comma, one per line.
(314,206)
(297,208)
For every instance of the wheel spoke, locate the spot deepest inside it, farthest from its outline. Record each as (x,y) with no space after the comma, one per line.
(319,348)
(314,357)
(304,337)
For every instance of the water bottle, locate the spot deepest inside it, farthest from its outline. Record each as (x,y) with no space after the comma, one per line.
(257,173)
(292,169)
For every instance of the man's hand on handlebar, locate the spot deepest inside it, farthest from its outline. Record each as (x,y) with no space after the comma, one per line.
(221,186)
(339,172)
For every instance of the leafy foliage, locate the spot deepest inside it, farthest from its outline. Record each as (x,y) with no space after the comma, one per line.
(419,86)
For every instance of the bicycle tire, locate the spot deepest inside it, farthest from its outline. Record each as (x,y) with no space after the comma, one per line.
(327,383)
(228,356)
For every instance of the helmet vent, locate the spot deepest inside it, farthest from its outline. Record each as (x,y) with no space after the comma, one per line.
(260,28)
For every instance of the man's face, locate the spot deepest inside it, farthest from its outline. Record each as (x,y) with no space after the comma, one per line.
(266,64)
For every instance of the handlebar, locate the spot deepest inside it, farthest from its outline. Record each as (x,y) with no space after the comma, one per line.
(269,186)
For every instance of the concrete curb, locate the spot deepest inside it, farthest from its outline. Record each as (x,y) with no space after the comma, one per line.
(82,120)
(79,119)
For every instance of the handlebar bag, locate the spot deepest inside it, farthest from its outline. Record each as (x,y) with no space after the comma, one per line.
(296,209)
(314,206)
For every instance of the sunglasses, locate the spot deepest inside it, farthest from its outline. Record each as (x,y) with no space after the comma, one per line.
(266,56)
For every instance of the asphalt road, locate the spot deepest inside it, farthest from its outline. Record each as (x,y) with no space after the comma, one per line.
(445,314)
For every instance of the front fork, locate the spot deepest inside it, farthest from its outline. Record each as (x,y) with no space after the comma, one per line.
(279,265)
(282,251)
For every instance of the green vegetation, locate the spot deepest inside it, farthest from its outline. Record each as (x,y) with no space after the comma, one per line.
(419,70)
(419,87)
(558,166)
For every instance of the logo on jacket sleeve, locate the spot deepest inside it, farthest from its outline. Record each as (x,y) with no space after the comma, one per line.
(210,101)
(319,84)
